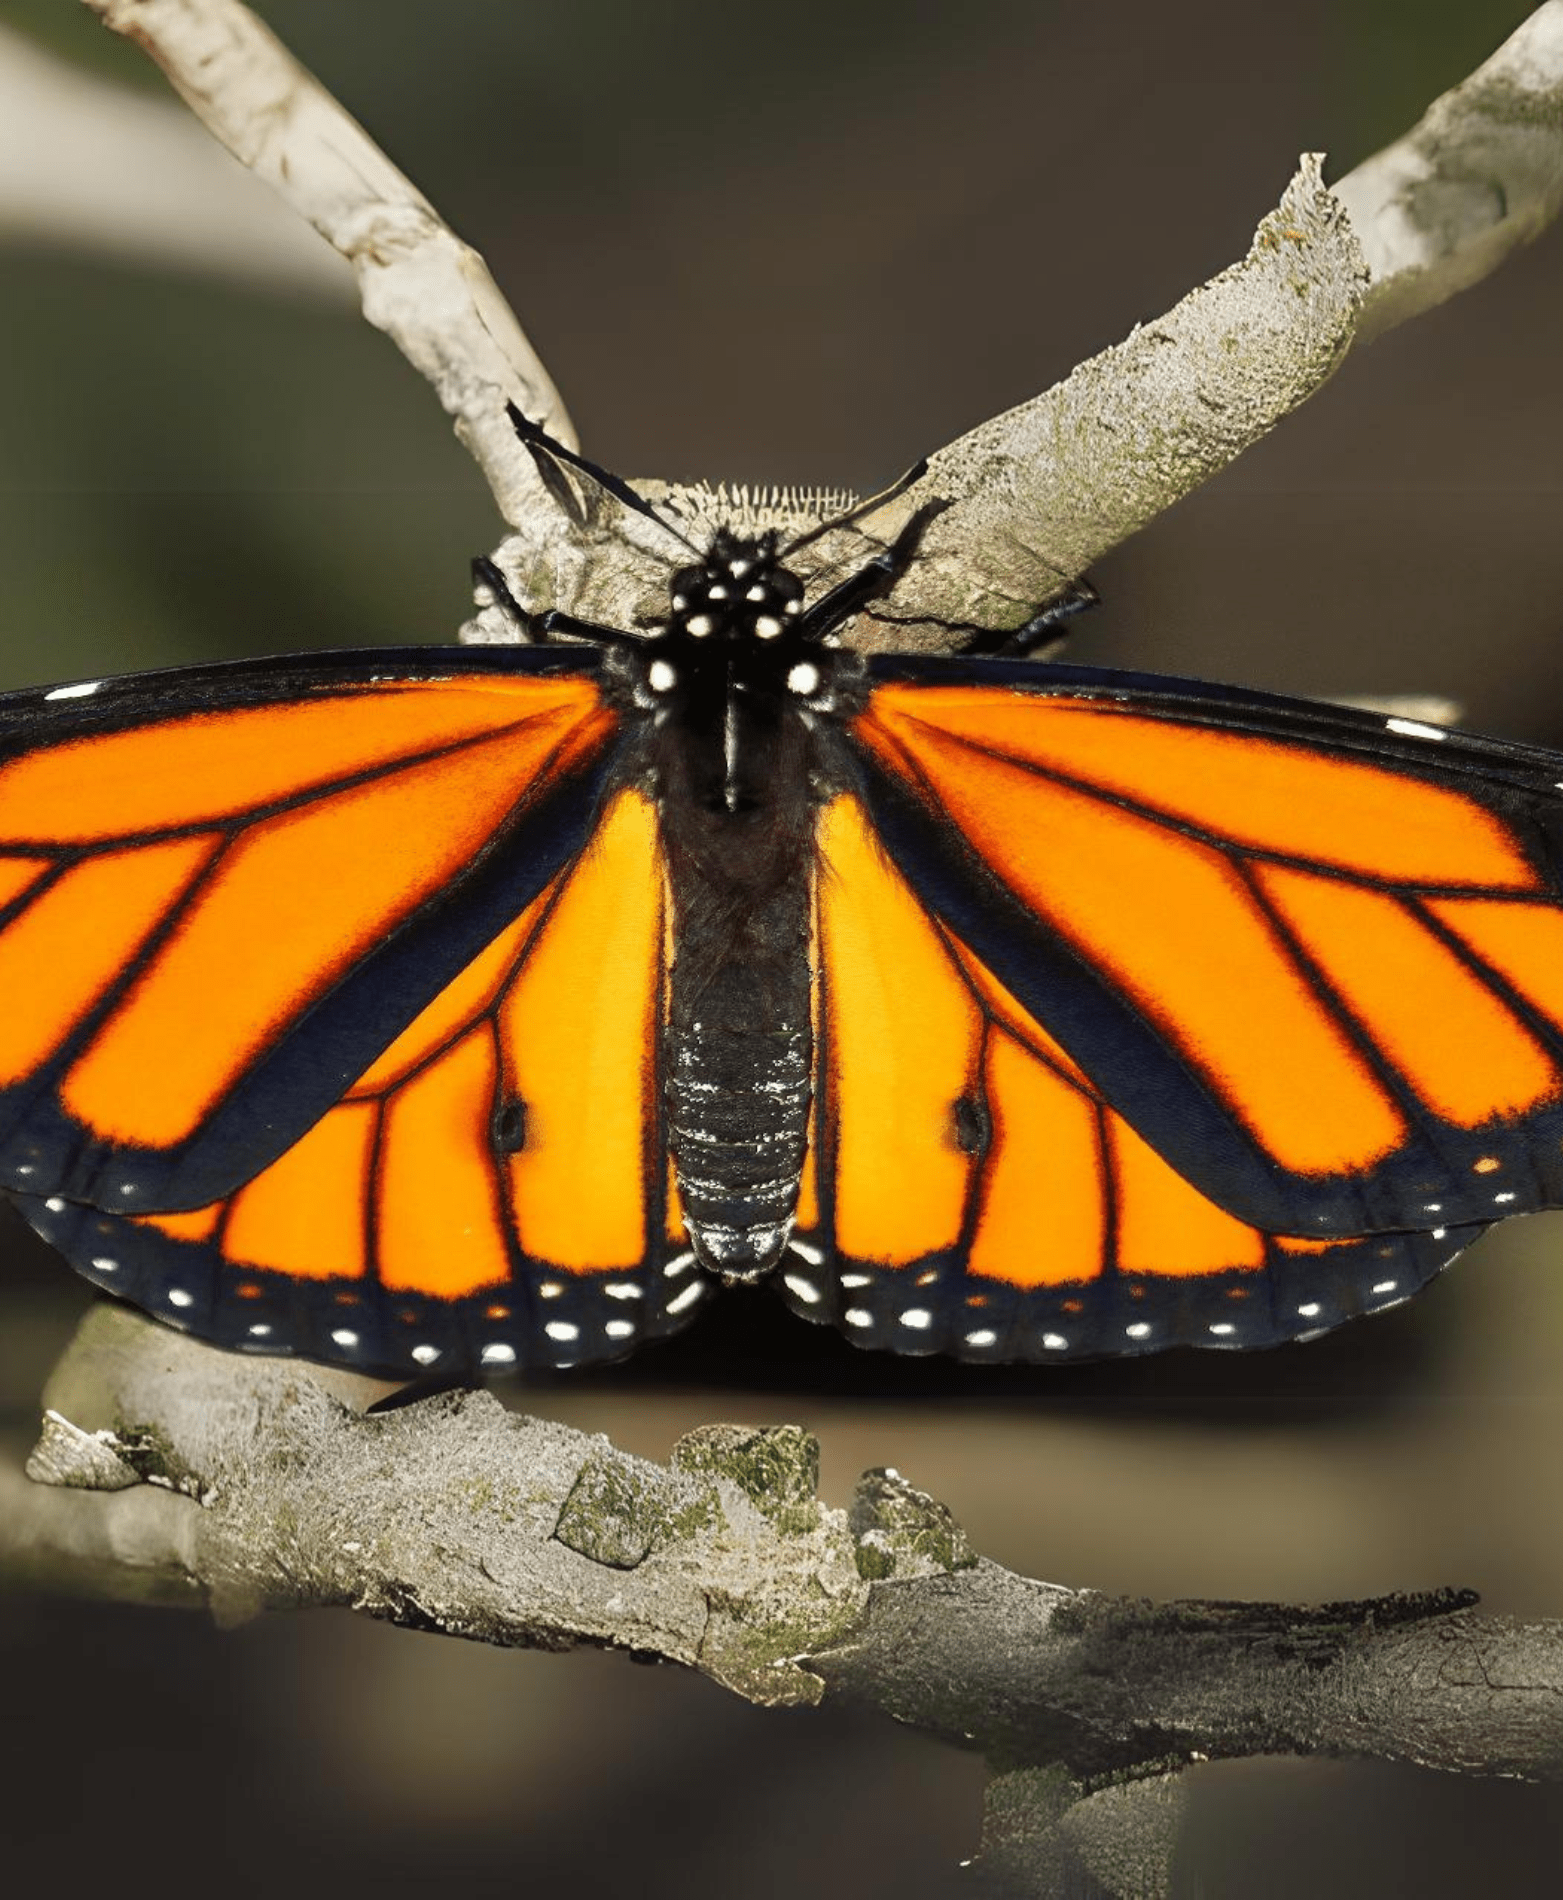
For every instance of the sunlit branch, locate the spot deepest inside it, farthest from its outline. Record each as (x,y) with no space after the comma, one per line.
(1038,493)
(429,291)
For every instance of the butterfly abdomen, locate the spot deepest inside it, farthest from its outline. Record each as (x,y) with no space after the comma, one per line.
(738,1048)
(738,1104)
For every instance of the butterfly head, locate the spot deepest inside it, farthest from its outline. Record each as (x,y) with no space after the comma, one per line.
(736,625)
(740,591)
(740,653)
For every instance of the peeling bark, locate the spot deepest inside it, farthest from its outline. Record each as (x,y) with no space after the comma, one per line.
(255,1483)
(1036,494)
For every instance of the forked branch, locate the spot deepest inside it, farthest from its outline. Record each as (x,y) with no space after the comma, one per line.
(1037,494)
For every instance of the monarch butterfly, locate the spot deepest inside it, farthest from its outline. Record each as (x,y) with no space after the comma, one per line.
(480,1006)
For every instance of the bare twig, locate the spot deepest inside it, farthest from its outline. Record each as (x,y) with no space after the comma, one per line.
(1480,174)
(430,292)
(455,1514)
(452,1513)
(1040,493)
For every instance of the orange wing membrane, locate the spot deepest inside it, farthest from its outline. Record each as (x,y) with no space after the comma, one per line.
(978,1194)
(198,870)
(489,1191)
(413,1120)
(1311,968)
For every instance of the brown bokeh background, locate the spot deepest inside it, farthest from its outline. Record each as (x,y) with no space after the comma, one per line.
(806,244)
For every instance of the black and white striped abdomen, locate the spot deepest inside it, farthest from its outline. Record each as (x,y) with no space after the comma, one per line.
(737,1061)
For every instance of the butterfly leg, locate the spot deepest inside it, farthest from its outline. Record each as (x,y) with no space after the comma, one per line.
(550,625)
(1042,635)
(877,577)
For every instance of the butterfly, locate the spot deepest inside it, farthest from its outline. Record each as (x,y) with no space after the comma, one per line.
(469,1007)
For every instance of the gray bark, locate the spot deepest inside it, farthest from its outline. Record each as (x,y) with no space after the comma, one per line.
(1478,175)
(1036,494)
(173,1472)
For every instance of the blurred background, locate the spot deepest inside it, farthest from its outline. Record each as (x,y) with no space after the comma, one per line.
(797,245)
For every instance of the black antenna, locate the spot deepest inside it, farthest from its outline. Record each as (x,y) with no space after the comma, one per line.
(548,453)
(914,474)
(871,581)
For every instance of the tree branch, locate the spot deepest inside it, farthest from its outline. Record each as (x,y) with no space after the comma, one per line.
(1037,494)
(258,1483)
(1041,492)
(1479,175)
(431,293)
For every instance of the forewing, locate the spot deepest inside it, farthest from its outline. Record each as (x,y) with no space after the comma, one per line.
(1313,959)
(492,1190)
(227,889)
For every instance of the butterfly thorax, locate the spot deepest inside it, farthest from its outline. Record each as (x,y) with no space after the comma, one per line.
(730,678)
(732,666)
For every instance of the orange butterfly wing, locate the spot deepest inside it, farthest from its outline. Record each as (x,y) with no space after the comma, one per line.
(491,1190)
(1154,1013)
(1317,964)
(228,889)
(972,1191)
(1144,1012)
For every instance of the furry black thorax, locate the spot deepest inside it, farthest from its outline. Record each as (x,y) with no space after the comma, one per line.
(732,679)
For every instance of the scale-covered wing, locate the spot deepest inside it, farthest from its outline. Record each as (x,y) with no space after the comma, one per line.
(227,889)
(491,1190)
(1153,1011)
